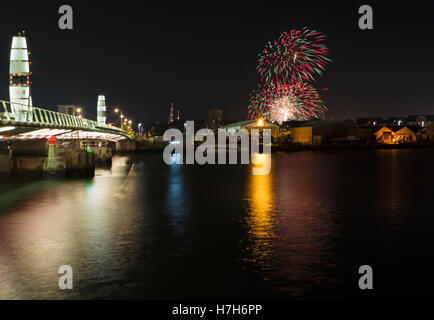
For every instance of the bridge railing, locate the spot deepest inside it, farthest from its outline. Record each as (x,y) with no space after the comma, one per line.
(33,115)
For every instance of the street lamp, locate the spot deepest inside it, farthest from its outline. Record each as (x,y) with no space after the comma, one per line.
(122,119)
(117,110)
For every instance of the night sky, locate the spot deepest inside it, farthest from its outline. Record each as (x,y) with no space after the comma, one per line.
(201,55)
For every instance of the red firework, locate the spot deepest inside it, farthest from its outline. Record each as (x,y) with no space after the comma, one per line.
(294,58)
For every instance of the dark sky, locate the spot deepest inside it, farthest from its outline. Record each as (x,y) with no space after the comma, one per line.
(143,56)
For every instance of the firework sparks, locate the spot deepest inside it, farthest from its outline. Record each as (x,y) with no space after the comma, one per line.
(283,109)
(289,102)
(297,102)
(294,58)
(259,101)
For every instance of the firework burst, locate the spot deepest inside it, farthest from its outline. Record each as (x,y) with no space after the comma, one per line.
(286,102)
(259,103)
(294,58)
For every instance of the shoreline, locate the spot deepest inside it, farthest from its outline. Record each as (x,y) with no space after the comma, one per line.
(324,147)
(350,147)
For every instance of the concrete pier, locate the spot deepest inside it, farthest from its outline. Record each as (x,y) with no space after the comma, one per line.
(70,158)
(55,164)
(77,164)
(43,159)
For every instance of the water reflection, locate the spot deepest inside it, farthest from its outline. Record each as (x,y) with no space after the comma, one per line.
(306,257)
(261,163)
(292,224)
(68,222)
(149,230)
(175,194)
(392,186)
(34,241)
(260,220)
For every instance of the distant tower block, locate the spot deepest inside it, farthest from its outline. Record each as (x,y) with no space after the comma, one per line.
(171,113)
(19,78)
(101,109)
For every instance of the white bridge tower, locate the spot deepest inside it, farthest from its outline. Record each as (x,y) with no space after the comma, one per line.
(19,78)
(101,110)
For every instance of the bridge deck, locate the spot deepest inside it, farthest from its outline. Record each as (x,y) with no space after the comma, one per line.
(38,123)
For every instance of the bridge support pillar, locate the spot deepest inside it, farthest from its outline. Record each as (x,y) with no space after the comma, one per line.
(55,164)
(80,164)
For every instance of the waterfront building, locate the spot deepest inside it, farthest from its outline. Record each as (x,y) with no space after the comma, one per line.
(385,135)
(370,122)
(254,124)
(388,136)
(396,122)
(303,135)
(71,109)
(426,134)
(329,131)
(405,135)
(410,121)
(421,120)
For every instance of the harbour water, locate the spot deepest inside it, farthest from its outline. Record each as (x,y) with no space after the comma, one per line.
(145,230)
